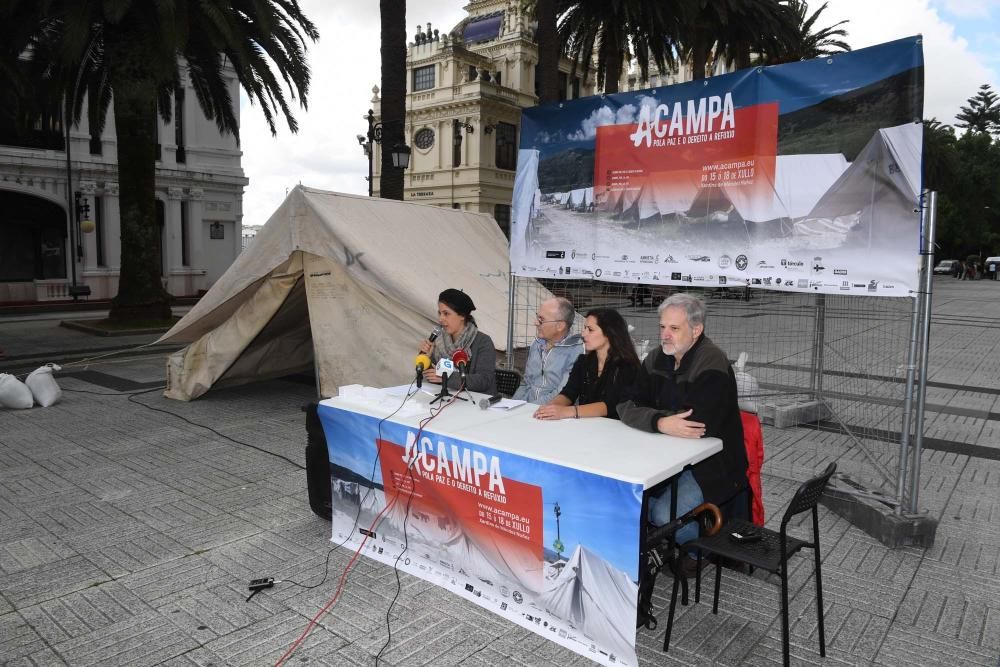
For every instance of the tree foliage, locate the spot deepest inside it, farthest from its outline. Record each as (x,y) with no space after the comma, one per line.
(982,114)
(965,171)
(129,54)
(618,30)
(805,40)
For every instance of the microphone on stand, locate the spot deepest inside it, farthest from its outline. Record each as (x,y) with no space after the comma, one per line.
(444,368)
(461,360)
(422,363)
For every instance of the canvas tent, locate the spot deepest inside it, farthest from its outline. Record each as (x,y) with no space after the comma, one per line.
(344,284)
(880,189)
(596,598)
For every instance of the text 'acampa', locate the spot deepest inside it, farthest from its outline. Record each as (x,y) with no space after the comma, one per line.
(460,463)
(701,116)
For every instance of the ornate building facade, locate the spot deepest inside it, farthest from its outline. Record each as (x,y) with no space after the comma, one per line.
(465,92)
(60,233)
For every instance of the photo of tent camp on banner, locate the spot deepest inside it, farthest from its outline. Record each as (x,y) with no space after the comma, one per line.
(573,594)
(813,160)
(817,202)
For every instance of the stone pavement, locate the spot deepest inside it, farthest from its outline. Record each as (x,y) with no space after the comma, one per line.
(129,531)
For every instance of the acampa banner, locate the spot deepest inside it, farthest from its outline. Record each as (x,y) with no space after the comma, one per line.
(553,549)
(797,177)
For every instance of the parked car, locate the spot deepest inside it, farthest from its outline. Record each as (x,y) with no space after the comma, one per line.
(992,267)
(947,267)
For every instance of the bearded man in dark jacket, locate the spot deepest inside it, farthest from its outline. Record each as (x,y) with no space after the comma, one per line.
(688,390)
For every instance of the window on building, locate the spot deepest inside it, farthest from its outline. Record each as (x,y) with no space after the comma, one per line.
(496,77)
(185,236)
(423,78)
(94,121)
(99,231)
(456,205)
(576,88)
(506,146)
(456,145)
(473,73)
(156,130)
(563,85)
(30,122)
(179,125)
(501,212)
(538,87)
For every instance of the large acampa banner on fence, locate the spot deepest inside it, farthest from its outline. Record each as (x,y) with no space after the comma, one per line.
(797,177)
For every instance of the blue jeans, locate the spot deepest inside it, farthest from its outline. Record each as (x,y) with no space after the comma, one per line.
(689,496)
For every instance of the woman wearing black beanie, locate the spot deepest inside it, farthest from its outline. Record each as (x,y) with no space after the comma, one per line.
(458,331)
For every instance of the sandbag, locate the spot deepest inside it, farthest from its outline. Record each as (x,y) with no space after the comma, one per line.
(746,386)
(14,394)
(43,385)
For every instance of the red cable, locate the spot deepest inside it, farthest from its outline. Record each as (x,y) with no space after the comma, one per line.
(357,552)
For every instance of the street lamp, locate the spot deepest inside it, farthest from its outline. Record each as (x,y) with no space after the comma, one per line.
(83,220)
(400,152)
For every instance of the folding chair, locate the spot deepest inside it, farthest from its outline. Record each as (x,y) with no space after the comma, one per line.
(507,381)
(770,552)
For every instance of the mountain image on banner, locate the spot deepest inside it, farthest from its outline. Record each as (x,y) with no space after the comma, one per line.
(754,177)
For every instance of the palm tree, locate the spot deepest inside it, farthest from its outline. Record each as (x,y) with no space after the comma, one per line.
(940,155)
(753,30)
(393,18)
(803,42)
(618,30)
(732,29)
(128,54)
(549,50)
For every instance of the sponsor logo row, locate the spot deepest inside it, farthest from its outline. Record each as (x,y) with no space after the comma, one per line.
(627,275)
(740,262)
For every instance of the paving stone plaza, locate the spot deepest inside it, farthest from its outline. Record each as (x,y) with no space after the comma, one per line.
(129,532)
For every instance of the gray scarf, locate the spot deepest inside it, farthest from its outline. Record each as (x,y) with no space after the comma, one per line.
(445,345)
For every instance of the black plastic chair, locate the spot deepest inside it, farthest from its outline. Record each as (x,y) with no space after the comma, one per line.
(771,552)
(507,381)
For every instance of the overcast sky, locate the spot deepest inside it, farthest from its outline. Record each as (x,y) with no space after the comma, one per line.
(961,52)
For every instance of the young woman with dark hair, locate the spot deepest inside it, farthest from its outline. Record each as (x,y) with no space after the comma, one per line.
(604,376)
(459,331)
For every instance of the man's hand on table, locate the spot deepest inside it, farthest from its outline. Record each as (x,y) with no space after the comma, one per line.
(678,425)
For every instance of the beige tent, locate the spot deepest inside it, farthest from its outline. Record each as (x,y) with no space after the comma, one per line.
(344,284)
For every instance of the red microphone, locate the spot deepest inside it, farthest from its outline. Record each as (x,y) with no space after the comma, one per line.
(461,359)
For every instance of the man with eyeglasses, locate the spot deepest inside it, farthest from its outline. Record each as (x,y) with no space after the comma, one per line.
(551,356)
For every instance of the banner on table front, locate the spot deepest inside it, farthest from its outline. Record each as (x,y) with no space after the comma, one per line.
(796,177)
(550,548)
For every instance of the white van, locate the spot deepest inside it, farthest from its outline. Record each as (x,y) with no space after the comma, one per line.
(991,267)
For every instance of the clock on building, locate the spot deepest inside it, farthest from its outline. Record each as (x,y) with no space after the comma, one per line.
(424,138)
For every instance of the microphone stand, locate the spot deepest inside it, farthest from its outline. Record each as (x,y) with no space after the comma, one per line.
(444,391)
(468,393)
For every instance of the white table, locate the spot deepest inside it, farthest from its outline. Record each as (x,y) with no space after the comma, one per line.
(584,444)
(504,550)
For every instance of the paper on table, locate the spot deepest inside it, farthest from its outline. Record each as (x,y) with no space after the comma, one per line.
(400,391)
(507,404)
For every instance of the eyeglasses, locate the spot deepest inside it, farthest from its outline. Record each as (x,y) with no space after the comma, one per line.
(539,320)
